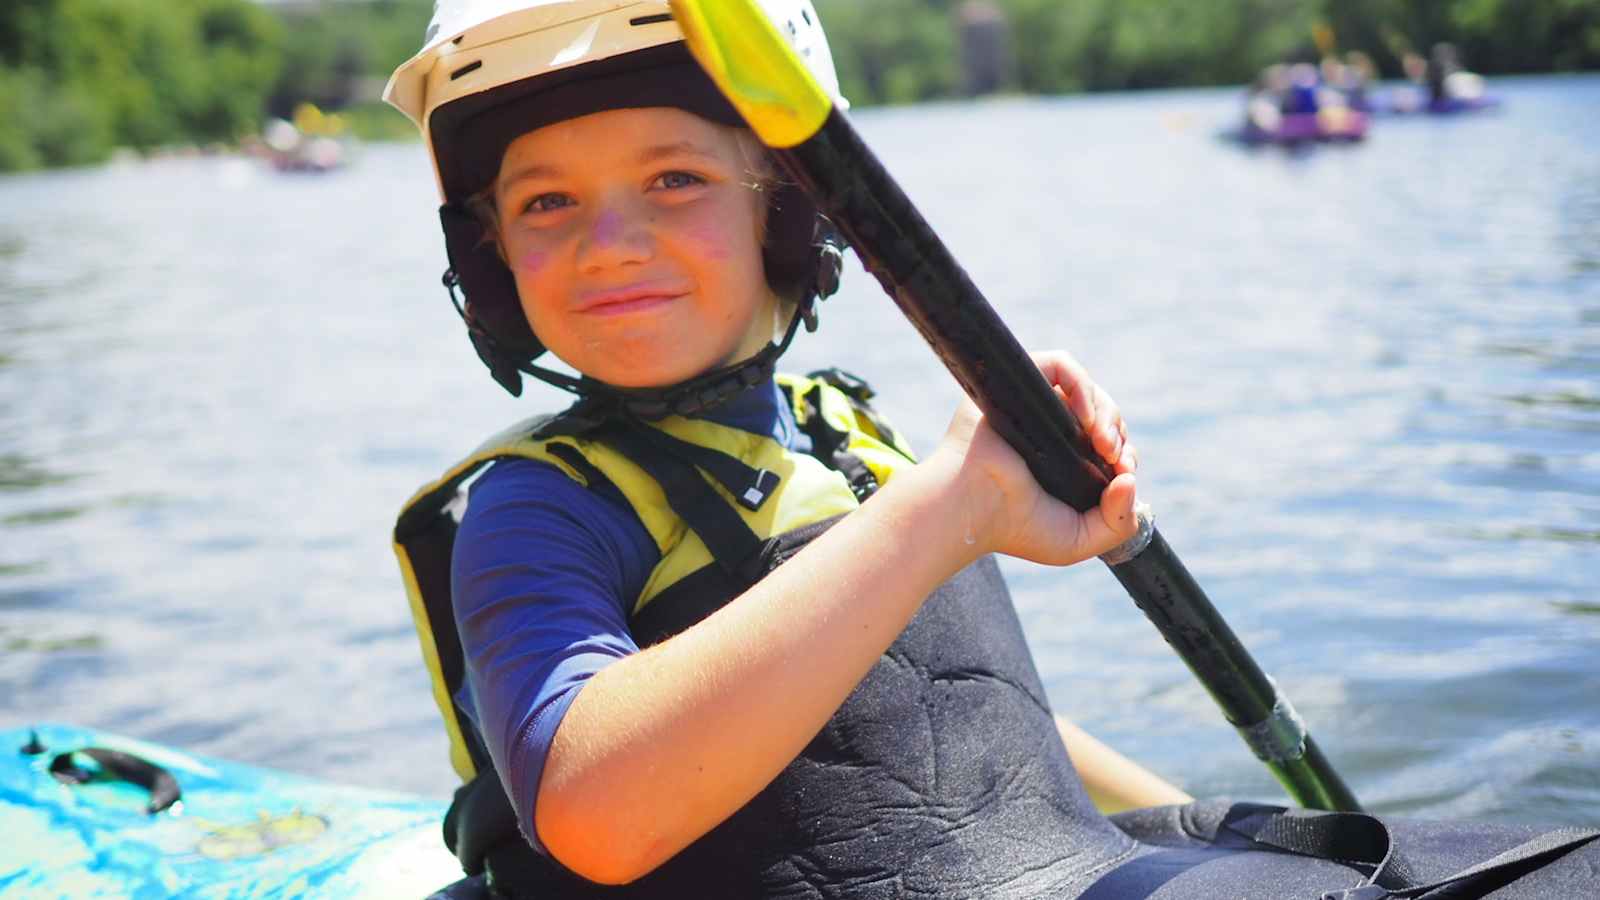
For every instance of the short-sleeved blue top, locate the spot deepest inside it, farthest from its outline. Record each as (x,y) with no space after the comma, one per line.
(543,576)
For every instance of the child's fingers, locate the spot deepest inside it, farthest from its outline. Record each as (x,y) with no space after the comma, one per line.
(1057,365)
(1108,426)
(1081,405)
(1102,422)
(1128,461)
(1110,523)
(1074,388)
(1097,413)
(1078,392)
(1117,511)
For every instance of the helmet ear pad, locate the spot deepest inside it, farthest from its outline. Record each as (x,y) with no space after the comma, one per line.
(496,324)
(787,255)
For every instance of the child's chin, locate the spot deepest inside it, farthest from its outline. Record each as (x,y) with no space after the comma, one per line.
(639,373)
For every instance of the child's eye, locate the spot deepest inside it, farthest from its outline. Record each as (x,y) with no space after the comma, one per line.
(676,180)
(547,203)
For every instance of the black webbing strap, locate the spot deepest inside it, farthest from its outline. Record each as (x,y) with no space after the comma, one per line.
(1364,841)
(735,547)
(574,457)
(825,439)
(1489,875)
(749,486)
(863,482)
(1354,839)
(703,592)
(859,393)
(828,443)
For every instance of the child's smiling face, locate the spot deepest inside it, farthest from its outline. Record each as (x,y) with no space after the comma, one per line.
(635,239)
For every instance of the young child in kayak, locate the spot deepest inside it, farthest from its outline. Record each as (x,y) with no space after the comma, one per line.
(647,239)
(711,631)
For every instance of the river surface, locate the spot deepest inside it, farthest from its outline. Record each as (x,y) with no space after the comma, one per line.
(1365,382)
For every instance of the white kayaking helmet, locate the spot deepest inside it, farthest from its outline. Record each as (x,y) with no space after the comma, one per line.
(493,70)
(479,46)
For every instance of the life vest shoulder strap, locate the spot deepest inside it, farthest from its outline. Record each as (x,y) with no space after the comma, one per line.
(522,439)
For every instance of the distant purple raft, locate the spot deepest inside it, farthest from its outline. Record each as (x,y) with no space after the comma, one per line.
(1331,124)
(1451,105)
(1407,101)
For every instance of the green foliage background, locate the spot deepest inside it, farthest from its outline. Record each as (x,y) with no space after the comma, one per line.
(897,51)
(79,78)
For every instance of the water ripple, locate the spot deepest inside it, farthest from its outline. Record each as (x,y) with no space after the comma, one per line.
(19,473)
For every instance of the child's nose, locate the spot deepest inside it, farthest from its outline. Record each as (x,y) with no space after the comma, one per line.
(615,236)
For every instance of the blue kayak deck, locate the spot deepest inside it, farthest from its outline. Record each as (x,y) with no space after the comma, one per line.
(237,830)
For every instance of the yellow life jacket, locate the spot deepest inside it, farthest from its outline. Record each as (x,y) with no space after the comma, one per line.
(749,497)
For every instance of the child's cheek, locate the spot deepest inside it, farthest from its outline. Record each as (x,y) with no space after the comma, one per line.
(711,239)
(532,262)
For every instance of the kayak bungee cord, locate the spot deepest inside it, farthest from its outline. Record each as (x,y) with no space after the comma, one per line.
(749,60)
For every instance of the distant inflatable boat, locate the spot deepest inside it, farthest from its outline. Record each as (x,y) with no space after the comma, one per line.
(1465,92)
(1451,105)
(1334,124)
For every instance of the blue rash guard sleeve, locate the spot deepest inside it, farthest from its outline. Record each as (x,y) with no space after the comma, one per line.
(542,577)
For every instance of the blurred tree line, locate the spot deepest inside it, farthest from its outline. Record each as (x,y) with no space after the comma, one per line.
(900,51)
(79,78)
(343,52)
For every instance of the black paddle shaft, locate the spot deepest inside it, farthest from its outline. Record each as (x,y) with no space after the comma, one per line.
(894,242)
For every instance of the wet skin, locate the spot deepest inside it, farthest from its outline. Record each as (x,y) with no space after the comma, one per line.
(635,239)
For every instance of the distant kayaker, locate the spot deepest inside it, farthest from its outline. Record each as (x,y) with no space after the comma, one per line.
(1360,74)
(1300,98)
(712,632)
(1450,86)
(1263,108)
(1443,62)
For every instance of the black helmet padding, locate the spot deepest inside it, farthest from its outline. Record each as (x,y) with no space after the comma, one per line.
(493,313)
(470,135)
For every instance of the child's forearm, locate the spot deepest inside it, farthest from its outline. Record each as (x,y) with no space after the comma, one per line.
(662,746)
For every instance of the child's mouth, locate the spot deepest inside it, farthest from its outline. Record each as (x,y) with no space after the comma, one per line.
(630,299)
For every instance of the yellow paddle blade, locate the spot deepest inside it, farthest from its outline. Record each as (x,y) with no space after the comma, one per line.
(762,76)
